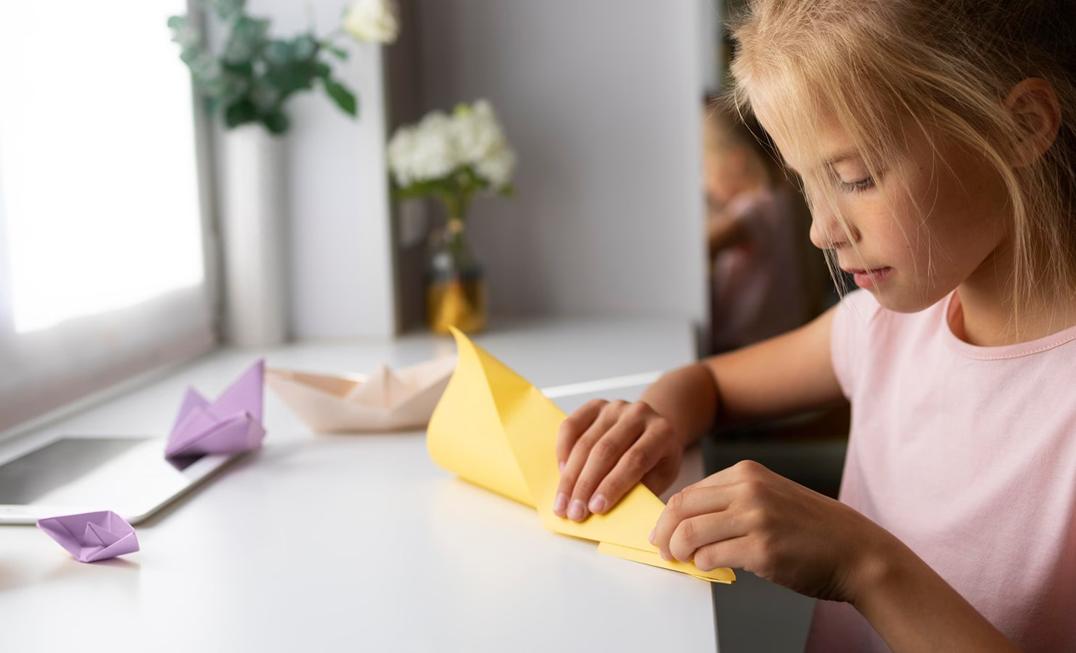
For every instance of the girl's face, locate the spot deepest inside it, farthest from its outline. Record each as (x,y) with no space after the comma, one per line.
(932,219)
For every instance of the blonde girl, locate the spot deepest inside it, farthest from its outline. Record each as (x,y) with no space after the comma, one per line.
(934,143)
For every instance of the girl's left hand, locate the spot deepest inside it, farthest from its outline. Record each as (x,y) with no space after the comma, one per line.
(749,517)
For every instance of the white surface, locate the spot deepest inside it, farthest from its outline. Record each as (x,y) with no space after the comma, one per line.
(358,542)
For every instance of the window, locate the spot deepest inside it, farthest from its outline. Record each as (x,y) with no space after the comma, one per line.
(102,264)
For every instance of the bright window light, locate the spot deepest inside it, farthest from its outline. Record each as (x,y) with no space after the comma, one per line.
(98,187)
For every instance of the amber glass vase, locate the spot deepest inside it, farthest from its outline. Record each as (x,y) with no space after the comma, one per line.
(455,283)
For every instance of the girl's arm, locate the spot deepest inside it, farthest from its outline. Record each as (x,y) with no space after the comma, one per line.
(914,609)
(787,374)
(606,448)
(748,517)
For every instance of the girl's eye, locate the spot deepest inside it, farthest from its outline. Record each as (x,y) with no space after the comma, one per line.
(857,186)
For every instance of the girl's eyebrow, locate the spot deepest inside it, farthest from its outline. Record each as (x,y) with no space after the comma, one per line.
(832,161)
(843,156)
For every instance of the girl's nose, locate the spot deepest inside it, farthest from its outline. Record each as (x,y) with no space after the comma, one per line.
(828,233)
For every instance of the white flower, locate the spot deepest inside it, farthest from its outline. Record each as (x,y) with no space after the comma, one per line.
(497,166)
(376,21)
(440,144)
(475,131)
(423,152)
(399,154)
(480,142)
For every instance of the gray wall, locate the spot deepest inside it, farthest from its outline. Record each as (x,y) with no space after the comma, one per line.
(601,101)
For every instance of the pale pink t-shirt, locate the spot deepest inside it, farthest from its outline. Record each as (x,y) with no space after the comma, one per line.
(968,455)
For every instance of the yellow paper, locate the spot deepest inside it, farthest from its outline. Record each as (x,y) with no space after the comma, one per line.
(493,428)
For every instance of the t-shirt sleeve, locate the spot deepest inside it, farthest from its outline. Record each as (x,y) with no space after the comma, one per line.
(848,336)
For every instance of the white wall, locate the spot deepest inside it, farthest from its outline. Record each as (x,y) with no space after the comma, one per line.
(342,280)
(602,102)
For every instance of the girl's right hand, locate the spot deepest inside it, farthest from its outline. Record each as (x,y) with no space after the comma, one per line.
(605,448)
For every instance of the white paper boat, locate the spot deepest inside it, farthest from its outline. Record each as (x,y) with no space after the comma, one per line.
(387,400)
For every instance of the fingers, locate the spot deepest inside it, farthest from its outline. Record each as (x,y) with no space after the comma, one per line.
(619,445)
(603,457)
(694,533)
(745,470)
(690,502)
(575,425)
(634,465)
(580,450)
(734,552)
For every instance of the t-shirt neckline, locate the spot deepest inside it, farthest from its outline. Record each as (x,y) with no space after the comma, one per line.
(1000,352)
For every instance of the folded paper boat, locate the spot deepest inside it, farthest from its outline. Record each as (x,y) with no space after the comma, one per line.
(386,400)
(231,424)
(91,536)
(494,429)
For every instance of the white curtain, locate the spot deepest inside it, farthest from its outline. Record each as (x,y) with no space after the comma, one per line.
(102,264)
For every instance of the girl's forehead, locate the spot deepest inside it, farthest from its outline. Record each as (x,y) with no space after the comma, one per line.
(807,140)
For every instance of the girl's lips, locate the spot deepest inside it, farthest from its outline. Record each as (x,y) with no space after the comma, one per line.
(871,278)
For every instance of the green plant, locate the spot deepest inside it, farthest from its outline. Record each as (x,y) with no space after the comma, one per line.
(254,74)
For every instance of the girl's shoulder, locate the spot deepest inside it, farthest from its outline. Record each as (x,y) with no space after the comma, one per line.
(858,306)
(858,316)
(866,334)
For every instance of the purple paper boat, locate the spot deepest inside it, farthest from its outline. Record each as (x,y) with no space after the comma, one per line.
(231,424)
(91,536)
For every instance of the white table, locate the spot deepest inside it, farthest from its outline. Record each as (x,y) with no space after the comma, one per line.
(324,543)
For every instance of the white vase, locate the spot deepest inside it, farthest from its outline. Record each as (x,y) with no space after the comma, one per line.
(253,221)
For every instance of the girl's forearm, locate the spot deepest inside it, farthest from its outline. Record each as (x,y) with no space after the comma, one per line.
(688,398)
(914,609)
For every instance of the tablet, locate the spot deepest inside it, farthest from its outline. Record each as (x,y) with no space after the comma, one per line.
(127,475)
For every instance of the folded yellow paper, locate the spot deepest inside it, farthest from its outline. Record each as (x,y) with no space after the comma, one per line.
(493,428)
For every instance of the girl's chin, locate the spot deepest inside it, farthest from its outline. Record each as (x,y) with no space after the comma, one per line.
(902,300)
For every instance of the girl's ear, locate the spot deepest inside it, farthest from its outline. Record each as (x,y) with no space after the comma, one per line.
(1036,111)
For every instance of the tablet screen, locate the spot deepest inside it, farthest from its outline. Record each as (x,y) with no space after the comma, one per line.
(123,474)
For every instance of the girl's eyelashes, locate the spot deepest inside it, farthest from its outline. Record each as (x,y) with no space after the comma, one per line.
(863,183)
(857,186)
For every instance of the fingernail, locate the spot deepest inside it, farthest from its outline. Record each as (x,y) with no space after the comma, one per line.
(666,557)
(653,531)
(562,465)
(577,510)
(560,503)
(597,504)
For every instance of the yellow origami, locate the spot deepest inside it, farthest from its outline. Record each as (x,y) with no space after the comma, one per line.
(495,429)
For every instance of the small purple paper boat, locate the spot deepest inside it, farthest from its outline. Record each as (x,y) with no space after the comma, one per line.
(231,424)
(91,536)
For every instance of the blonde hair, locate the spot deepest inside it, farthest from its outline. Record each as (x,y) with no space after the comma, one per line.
(943,66)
